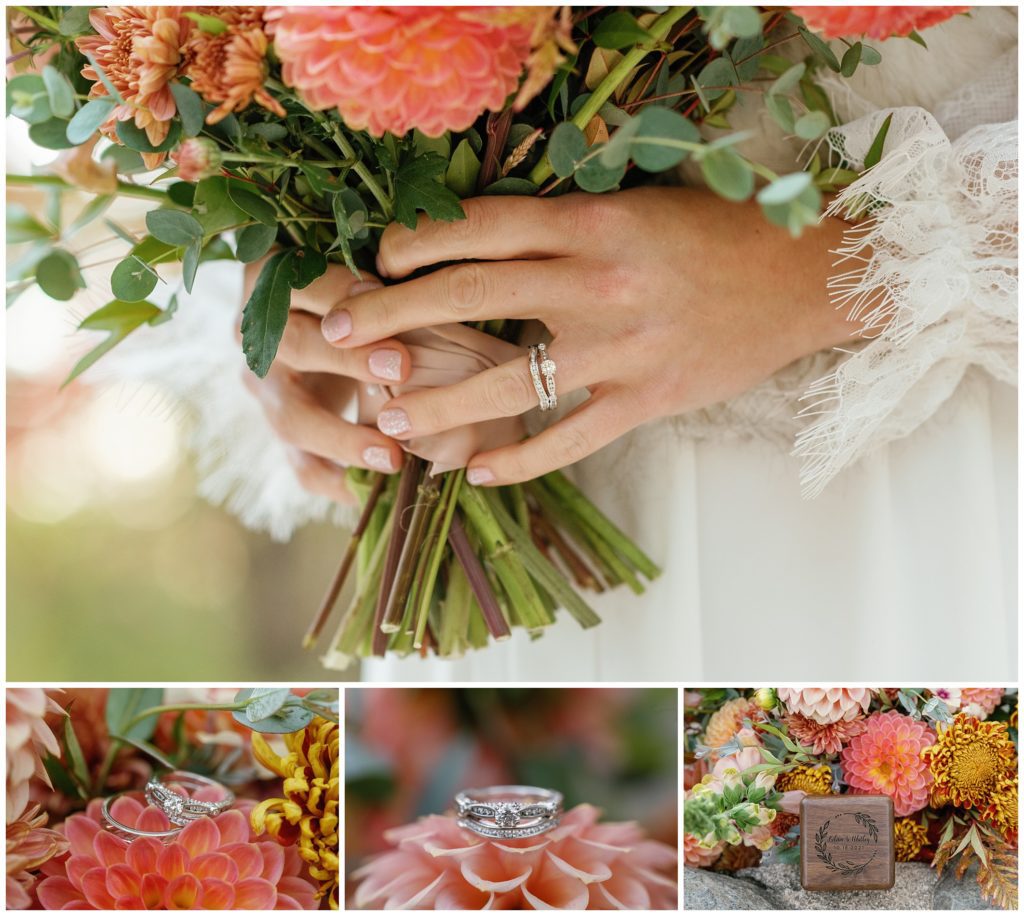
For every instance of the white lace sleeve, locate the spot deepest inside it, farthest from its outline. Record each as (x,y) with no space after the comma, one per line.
(931,270)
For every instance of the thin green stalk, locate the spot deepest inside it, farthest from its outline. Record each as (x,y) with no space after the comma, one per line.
(123,187)
(394,613)
(659,29)
(37,17)
(437,543)
(359,167)
(180,707)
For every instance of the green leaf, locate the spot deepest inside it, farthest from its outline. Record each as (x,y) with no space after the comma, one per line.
(183,193)
(132,279)
(851,59)
(799,211)
(784,189)
(209,24)
(149,750)
(820,48)
(75,21)
(781,110)
(345,232)
(717,77)
(917,39)
(727,174)
(75,758)
(167,313)
(257,207)
(190,264)
(152,251)
(423,144)
(319,178)
(310,264)
(742,21)
(616,151)
(135,137)
(125,703)
(463,170)
(120,319)
(597,178)
(266,312)
(190,108)
(254,242)
(89,212)
(22,226)
(270,130)
(59,91)
(662,124)
(88,119)
(214,208)
(869,57)
(812,125)
(105,80)
(417,188)
(788,81)
(28,99)
(286,719)
(264,702)
(835,178)
(58,275)
(874,154)
(51,134)
(566,148)
(745,57)
(61,779)
(127,161)
(511,187)
(619,30)
(173,227)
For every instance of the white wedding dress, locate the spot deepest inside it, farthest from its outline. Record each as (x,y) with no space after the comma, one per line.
(854,518)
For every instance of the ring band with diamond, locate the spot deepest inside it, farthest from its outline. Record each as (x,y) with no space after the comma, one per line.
(179,808)
(542,372)
(509,812)
(127,832)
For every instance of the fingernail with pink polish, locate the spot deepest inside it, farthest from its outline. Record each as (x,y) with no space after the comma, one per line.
(393,422)
(337,325)
(378,458)
(478,476)
(364,286)
(386,364)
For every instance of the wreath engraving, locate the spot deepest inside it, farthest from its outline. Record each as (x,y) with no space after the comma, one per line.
(846,869)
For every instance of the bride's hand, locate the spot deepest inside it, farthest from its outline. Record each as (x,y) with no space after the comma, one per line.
(659,300)
(310,383)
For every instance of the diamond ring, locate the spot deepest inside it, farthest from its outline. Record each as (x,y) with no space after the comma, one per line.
(119,828)
(542,372)
(509,812)
(180,808)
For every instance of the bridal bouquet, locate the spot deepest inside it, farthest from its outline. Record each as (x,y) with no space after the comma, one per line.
(295,135)
(81,759)
(947,757)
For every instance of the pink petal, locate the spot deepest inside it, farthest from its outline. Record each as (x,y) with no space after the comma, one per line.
(413,896)
(199,837)
(183,893)
(255,894)
(56,893)
(172,862)
(143,853)
(247,857)
(485,876)
(217,895)
(557,892)
(460,896)
(273,861)
(123,881)
(586,871)
(153,888)
(233,827)
(624,893)
(94,887)
(77,866)
(109,849)
(80,831)
(127,810)
(153,819)
(215,865)
(298,890)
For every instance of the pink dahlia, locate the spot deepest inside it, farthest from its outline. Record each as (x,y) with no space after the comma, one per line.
(394,68)
(984,699)
(579,865)
(877,22)
(696,856)
(822,739)
(29,739)
(827,705)
(886,760)
(214,863)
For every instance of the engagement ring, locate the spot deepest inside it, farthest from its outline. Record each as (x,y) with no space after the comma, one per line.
(181,809)
(509,812)
(542,371)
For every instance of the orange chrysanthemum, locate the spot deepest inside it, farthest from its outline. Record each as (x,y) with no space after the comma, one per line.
(886,759)
(909,838)
(395,68)
(823,739)
(812,780)
(140,49)
(877,22)
(726,721)
(230,68)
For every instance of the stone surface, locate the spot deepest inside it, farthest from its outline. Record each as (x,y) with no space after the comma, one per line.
(774,886)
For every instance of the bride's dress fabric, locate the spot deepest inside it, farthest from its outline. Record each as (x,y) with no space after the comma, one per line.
(854,517)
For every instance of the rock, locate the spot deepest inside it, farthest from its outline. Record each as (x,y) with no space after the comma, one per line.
(775,886)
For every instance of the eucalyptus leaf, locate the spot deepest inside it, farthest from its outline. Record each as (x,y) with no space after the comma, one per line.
(820,48)
(257,207)
(658,129)
(87,120)
(51,134)
(869,56)
(310,265)
(781,111)
(594,177)
(58,275)
(811,125)
(788,81)
(785,189)
(513,187)
(619,30)
(717,77)
(119,318)
(851,59)
(214,208)
(95,208)
(254,242)
(566,148)
(125,703)
(132,279)
(135,137)
(183,193)
(173,227)
(22,226)
(265,702)
(616,151)
(59,91)
(727,174)
(190,264)
(190,108)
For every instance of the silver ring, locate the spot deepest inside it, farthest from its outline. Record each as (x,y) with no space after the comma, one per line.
(131,833)
(542,372)
(509,812)
(181,809)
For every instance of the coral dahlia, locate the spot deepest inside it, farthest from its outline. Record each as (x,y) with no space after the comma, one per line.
(886,759)
(877,22)
(827,705)
(395,68)
(823,739)
(984,699)
(581,864)
(697,856)
(727,721)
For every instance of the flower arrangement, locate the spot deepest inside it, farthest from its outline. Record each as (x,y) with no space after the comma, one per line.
(296,135)
(946,757)
(77,751)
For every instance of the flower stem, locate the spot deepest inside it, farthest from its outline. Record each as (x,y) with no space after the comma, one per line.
(123,187)
(437,542)
(359,167)
(493,618)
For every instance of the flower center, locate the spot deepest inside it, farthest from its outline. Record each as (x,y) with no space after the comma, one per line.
(974,769)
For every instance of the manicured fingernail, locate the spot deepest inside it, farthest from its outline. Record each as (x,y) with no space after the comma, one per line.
(364,286)
(393,422)
(477,476)
(378,458)
(337,324)
(386,364)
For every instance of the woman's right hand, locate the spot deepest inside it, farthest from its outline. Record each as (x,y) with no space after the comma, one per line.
(311,383)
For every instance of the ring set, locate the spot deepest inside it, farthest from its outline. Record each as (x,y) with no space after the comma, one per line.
(542,371)
(509,812)
(179,808)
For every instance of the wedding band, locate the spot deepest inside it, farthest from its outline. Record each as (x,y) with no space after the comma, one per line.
(509,812)
(542,372)
(131,833)
(181,809)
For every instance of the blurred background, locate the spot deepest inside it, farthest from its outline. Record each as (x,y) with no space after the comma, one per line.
(409,750)
(108,547)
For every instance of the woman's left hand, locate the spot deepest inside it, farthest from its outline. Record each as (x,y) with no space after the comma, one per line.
(659,301)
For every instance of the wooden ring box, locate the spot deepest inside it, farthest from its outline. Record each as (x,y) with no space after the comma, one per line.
(846,843)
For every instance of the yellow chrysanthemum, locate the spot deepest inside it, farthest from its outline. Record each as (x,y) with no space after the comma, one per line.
(1003,810)
(812,780)
(910,838)
(974,765)
(308,814)
(728,720)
